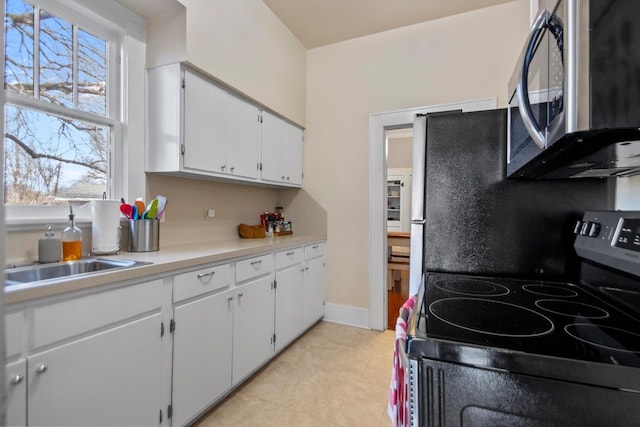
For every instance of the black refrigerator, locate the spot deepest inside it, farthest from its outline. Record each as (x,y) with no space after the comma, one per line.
(467,217)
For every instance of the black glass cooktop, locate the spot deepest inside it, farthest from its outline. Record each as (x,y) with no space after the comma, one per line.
(560,320)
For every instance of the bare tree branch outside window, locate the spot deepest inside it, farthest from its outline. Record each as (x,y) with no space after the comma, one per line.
(50,158)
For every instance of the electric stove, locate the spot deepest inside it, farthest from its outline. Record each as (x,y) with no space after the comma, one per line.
(495,350)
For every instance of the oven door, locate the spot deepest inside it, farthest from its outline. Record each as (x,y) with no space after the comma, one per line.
(536,104)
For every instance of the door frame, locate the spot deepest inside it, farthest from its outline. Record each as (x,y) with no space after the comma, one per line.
(379,123)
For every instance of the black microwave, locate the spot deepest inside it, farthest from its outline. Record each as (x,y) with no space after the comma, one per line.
(574,97)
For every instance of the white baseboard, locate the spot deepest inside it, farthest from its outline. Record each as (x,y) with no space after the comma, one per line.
(347,315)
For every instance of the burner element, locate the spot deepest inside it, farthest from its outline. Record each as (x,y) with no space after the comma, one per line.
(550,291)
(472,287)
(605,336)
(488,317)
(572,309)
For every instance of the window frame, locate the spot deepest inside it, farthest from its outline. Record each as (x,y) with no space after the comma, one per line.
(115,24)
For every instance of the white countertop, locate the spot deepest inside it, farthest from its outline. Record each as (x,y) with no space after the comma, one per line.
(166,260)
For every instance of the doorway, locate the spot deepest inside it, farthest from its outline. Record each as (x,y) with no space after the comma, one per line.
(399,144)
(379,124)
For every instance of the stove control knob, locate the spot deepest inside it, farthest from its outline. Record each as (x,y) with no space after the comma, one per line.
(584,230)
(577,227)
(594,229)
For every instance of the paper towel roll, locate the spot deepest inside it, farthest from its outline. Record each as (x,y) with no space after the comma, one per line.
(105,226)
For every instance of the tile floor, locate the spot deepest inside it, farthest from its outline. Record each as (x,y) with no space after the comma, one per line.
(334,375)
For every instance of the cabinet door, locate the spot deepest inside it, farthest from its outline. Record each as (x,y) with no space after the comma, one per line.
(289,305)
(273,148)
(243,142)
(17,393)
(313,291)
(201,355)
(204,125)
(110,378)
(294,141)
(394,202)
(252,327)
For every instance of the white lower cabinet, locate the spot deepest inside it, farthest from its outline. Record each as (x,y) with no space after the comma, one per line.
(201,354)
(252,326)
(160,352)
(313,291)
(16,374)
(289,312)
(94,359)
(109,378)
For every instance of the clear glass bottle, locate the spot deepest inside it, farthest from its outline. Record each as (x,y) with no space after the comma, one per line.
(71,240)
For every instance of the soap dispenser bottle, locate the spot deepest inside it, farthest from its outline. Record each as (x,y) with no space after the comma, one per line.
(71,240)
(49,247)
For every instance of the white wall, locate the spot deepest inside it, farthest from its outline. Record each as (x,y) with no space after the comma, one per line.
(463,57)
(628,194)
(242,43)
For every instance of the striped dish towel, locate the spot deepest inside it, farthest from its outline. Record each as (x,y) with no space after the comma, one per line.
(398,407)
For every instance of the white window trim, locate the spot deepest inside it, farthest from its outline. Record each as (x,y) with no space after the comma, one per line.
(110,20)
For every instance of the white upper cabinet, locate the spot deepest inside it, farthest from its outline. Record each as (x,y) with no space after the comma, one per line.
(243,139)
(205,124)
(198,127)
(281,151)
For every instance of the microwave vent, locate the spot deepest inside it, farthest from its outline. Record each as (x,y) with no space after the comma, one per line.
(603,153)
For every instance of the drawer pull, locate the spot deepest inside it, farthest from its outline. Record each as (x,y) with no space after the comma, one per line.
(42,368)
(256,262)
(290,253)
(201,275)
(17,379)
(314,247)
(229,298)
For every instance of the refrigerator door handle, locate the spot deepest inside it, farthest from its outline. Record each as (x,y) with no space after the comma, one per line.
(418,168)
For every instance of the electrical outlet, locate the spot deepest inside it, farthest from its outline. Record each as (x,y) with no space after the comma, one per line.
(209,213)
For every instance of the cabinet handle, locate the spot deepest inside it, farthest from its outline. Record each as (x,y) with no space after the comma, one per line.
(223,167)
(201,275)
(17,379)
(256,262)
(290,253)
(229,298)
(287,178)
(314,247)
(240,294)
(42,368)
(232,168)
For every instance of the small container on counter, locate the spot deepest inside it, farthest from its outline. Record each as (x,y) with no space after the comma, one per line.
(71,240)
(144,235)
(49,247)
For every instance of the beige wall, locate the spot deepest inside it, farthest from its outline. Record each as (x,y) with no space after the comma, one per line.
(242,43)
(463,57)
(185,214)
(399,153)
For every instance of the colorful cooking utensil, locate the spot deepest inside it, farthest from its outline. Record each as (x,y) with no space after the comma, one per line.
(127,210)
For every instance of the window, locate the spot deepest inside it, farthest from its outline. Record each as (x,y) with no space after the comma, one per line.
(61,105)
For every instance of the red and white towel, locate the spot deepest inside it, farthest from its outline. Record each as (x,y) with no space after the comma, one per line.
(398,408)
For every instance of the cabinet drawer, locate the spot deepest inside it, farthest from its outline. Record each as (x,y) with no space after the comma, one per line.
(254,267)
(62,320)
(289,257)
(201,281)
(314,250)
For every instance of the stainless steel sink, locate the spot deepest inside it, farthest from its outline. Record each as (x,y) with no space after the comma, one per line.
(61,270)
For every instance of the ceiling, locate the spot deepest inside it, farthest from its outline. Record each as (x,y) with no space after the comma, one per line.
(320,22)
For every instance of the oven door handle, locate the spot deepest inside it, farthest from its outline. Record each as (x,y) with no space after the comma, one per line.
(522,90)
